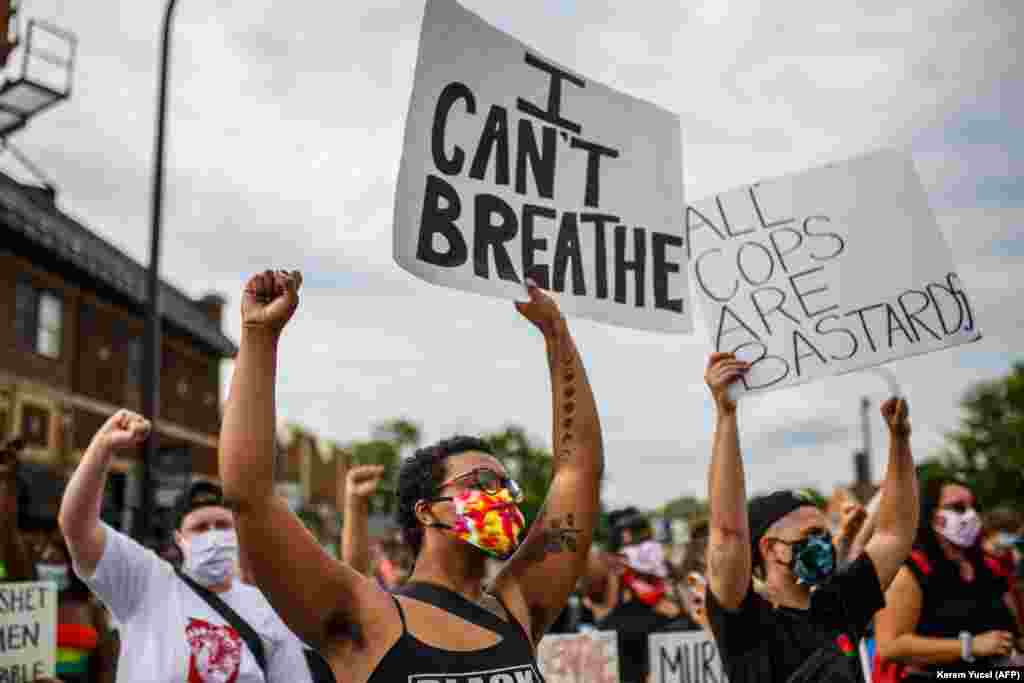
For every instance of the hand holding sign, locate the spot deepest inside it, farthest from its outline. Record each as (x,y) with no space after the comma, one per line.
(723,370)
(541,309)
(122,431)
(897,416)
(269,300)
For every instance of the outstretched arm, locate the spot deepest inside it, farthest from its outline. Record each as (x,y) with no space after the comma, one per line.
(729,560)
(360,484)
(898,509)
(302,582)
(542,573)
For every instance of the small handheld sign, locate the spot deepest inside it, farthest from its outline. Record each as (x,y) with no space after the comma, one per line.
(28,630)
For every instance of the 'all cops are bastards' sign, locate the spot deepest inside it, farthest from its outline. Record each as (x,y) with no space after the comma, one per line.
(834,269)
(515,167)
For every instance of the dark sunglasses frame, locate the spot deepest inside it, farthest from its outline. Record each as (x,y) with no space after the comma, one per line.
(489,484)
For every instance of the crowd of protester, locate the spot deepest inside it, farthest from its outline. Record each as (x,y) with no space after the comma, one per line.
(925,580)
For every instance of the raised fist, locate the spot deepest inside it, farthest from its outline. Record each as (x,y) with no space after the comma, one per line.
(362,481)
(123,430)
(269,299)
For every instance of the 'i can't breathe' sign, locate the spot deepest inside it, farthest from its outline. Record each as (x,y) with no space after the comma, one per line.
(834,269)
(515,167)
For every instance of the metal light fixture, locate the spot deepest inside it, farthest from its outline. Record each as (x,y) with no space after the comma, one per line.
(47,66)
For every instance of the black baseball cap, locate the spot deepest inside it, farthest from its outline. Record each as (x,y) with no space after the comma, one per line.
(198,495)
(763,511)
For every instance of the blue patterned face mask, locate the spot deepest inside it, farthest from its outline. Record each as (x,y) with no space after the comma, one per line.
(814,559)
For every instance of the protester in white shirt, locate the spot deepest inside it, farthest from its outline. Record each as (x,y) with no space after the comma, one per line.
(168,631)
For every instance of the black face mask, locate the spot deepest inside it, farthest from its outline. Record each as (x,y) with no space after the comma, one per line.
(814,559)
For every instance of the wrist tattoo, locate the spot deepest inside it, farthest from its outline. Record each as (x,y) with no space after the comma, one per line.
(553,540)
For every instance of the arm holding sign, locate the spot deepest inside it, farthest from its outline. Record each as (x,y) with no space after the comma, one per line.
(729,553)
(539,577)
(898,509)
(307,588)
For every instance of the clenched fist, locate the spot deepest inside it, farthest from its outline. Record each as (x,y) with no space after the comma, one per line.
(269,300)
(123,430)
(362,481)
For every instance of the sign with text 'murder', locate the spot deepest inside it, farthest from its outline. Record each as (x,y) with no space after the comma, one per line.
(515,167)
(28,631)
(831,270)
(685,657)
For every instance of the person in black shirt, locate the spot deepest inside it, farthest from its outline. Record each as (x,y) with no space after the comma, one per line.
(804,622)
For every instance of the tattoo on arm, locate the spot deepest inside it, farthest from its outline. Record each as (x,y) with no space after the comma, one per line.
(553,540)
(716,560)
(565,396)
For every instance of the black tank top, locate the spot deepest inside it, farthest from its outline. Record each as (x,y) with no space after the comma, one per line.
(511,660)
(952,605)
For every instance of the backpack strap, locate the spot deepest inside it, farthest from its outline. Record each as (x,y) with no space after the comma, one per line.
(920,565)
(222,608)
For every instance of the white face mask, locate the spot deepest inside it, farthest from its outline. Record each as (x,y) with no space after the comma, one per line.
(961,529)
(58,573)
(212,556)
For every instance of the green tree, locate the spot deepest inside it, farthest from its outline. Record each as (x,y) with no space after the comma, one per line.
(385,448)
(685,507)
(988,447)
(532,466)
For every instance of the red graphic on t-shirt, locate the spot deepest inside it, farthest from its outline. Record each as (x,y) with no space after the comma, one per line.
(216,652)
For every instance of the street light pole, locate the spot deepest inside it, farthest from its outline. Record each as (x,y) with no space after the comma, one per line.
(138,514)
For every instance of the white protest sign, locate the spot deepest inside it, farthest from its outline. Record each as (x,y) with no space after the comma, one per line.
(515,167)
(591,657)
(835,269)
(685,657)
(28,631)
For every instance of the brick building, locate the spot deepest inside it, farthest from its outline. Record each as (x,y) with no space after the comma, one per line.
(72,319)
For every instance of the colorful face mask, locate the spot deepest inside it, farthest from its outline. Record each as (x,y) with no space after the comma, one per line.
(491,522)
(814,559)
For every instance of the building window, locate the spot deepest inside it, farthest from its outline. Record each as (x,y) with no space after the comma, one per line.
(35,425)
(39,318)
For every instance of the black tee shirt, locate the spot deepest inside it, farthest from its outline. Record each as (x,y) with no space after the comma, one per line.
(633,621)
(762,644)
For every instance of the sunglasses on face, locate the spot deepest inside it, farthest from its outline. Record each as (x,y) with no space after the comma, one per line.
(959,507)
(487,481)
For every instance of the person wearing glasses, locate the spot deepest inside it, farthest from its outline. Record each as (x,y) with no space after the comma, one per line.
(947,610)
(807,618)
(457,506)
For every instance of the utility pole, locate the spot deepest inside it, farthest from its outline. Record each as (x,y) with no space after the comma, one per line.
(138,510)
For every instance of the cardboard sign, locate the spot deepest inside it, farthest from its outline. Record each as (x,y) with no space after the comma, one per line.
(513,167)
(28,630)
(685,657)
(577,657)
(824,272)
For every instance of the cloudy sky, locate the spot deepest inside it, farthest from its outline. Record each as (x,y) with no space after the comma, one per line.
(286,130)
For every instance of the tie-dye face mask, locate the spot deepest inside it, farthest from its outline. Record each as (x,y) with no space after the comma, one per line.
(491,522)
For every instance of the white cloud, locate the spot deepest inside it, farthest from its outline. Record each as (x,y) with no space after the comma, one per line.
(285,134)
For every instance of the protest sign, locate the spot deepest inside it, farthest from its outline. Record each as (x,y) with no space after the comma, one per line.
(685,657)
(513,167)
(28,631)
(591,657)
(835,269)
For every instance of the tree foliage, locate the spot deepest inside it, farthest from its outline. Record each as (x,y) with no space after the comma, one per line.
(987,450)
